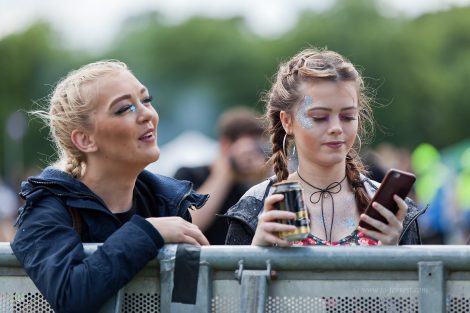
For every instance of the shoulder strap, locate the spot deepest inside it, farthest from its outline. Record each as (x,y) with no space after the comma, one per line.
(76,221)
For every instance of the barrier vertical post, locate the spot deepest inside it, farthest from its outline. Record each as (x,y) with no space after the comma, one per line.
(431,287)
(254,288)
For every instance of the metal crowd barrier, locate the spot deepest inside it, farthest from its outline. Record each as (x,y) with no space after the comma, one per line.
(253,279)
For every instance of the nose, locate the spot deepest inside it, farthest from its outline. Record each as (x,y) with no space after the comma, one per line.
(335,126)
(147,113)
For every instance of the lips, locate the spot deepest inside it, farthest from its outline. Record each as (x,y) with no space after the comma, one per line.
(149,134)
(334,144)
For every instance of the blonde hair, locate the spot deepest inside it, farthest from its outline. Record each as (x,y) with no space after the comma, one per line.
(310,66)
(70,106)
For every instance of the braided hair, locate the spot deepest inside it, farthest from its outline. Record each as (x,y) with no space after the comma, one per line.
(310,66)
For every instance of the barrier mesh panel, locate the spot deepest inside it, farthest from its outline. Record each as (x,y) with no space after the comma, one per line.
(28,302)
(458,305)
(35,303)
(342,304)
(324,304)
(31,302)
(141,303)
(225,305)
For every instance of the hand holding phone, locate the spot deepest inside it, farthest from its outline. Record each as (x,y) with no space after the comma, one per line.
(395,182)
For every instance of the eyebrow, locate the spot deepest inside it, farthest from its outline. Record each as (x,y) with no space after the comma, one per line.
(329,109)
(124,97)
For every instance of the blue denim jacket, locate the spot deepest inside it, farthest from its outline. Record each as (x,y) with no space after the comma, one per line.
(51,250)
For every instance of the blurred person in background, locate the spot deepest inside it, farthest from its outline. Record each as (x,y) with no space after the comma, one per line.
(387,156)
(435,185)
(241,163)
(318,105)
(8,210)
(390,156)
(462,192)
(373,166)
(105,130)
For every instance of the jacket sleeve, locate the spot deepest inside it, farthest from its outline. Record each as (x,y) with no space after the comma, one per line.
(243,220)
(238,234)
(52,254)
(411,236)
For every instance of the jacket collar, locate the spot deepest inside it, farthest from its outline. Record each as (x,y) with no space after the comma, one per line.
(62,184)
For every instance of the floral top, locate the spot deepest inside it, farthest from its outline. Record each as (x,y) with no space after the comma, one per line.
(356,238)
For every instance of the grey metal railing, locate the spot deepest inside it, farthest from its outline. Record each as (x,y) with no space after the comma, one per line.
(301,279)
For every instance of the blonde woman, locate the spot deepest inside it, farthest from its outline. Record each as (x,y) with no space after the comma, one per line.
(105,129)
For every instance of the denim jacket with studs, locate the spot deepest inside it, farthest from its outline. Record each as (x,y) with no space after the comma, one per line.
(243,216)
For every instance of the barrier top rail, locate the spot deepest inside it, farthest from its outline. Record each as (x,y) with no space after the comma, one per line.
(453,257)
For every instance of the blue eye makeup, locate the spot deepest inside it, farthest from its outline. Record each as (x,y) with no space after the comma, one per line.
(125,108)
(132,107)
(128,107)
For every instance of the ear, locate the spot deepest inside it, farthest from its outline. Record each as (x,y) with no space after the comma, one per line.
(83,141)
(286,120)
(225,145)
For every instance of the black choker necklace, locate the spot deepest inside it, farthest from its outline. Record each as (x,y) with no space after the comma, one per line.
(333,188)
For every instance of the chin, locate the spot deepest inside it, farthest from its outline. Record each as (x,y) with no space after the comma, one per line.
(156,155)
(149,158)
(334,160)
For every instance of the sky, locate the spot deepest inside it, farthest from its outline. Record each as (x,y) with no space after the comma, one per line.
(92,25)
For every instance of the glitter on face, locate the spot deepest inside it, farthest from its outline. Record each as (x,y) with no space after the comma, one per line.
(133,108)
(302,113)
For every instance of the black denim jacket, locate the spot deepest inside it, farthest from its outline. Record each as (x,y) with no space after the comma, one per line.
(243,216)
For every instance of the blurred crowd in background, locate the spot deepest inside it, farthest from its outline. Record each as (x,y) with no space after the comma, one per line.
(443,181)
(417,69)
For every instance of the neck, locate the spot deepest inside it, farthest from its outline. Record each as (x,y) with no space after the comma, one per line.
(322,183)
(114,187)
(320,176)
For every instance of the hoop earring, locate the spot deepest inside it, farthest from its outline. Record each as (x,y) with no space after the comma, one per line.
(292,156)
(360,143)
(284,145)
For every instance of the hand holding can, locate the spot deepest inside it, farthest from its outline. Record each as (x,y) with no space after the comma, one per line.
(294,202)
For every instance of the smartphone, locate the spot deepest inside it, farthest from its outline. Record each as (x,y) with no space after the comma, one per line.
(395,182)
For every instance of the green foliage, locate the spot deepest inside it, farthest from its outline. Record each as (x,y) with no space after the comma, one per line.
(30,64)
(418,68)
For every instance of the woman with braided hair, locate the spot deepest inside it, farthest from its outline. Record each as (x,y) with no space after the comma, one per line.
(318,108)
(104,127)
